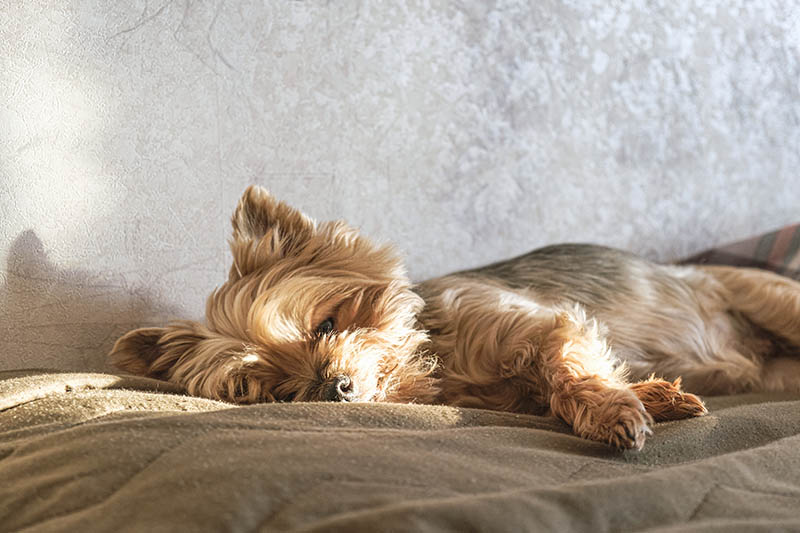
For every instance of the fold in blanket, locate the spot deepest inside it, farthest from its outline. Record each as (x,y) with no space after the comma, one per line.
(101,453)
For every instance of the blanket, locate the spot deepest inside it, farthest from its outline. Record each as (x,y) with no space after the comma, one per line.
(778,251)
(81,452)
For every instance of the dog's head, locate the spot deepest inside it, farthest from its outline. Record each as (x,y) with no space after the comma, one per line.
(309,313)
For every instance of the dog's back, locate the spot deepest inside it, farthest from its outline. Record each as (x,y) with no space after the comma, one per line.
(671,320)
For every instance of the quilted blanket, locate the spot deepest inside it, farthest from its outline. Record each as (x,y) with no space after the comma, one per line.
(96,452)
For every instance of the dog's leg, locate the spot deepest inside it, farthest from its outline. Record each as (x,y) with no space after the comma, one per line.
(502,352)
(597,400)
(584,388)
(665,400)
(767,299)
(773,303)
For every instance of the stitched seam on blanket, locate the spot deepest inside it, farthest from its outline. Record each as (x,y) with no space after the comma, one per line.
(702,501)
(105,499)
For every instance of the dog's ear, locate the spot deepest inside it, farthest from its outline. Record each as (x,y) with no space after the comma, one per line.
(135,351)
(191,355)
(259,213)
(152,352)
(264,229)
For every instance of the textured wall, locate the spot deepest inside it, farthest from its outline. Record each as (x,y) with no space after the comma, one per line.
(465,131)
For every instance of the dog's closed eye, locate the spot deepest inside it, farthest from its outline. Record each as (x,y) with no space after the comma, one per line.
(241,389)
(288,397)
(326,326)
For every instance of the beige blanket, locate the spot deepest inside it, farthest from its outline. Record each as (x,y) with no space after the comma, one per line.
(95,452)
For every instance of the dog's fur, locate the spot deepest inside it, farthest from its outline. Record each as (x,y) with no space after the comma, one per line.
(317,312)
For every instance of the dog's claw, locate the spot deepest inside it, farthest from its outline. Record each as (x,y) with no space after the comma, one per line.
(629,431)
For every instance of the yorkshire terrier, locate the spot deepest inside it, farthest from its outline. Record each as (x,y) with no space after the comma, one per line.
(316,312)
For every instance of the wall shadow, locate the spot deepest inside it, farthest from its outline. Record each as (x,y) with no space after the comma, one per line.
(67,319)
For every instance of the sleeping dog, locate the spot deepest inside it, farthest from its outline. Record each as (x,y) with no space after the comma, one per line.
(598,337)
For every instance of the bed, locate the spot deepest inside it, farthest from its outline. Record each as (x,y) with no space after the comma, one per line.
(105,452)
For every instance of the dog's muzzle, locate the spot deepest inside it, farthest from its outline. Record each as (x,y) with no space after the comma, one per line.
(339,389)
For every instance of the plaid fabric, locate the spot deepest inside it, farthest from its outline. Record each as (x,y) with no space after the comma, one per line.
(778,251)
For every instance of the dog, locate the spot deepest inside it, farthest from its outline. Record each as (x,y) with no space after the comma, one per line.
(317,312)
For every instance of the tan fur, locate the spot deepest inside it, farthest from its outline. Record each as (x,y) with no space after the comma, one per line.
(317,312)
(770,301)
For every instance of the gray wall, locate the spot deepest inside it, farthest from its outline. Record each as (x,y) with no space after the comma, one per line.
(464,131)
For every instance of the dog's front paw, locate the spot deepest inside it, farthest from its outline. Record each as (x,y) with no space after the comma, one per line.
(629,427)
(620,420)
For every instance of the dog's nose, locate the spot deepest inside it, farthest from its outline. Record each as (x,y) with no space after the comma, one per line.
(340,389)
